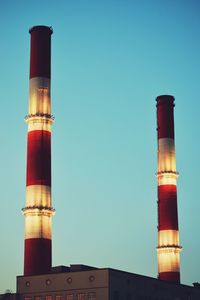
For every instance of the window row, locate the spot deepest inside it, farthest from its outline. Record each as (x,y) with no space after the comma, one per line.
(68,280)
(77,296)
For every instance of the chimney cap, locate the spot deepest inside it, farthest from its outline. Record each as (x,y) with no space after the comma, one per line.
(165,99)
(41,28)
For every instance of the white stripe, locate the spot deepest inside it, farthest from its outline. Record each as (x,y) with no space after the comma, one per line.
(166,144)
(39,123)
(39,96)
(38,225)
(168,237)
(38,195)
(168,260)
(38,221)
(167,178)
(166,155)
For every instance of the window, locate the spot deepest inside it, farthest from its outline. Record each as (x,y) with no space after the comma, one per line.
(58,297)
(91,278)
(48,297)
(81,296)
(38,298)
(91,296)
(69,280)
(70,297)
(27,298)
(48,282)
(28,283)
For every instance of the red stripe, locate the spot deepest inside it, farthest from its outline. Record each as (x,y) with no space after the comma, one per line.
(170,276)
(167,207)
(39,158)
(37,256)
(165,116)
(40,57)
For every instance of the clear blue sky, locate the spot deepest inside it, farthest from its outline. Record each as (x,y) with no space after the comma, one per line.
(110,59)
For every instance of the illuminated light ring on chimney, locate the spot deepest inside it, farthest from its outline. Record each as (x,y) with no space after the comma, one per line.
(168,249)
(38,211)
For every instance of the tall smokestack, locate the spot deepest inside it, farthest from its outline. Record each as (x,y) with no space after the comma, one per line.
(38,211)
(168,235)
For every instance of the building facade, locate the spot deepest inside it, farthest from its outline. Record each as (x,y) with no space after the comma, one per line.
(79,282)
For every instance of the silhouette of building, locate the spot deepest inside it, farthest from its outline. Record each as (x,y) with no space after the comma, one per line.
(80,282)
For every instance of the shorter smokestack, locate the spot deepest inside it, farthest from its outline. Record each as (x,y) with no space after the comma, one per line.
(168,234)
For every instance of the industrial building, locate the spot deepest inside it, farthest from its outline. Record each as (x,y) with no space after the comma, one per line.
(40,280)
(79,282)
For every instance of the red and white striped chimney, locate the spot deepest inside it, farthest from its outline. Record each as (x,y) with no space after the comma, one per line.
(38,211)
(168,234)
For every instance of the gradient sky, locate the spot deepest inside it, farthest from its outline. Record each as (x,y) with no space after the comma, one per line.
(110,60)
